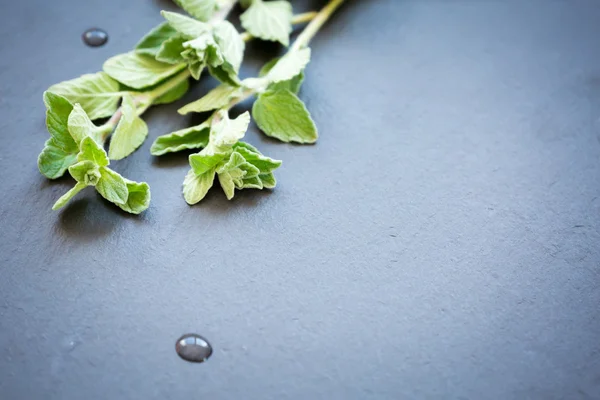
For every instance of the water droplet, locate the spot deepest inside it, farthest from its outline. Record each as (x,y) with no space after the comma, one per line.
(193,348)
(94,37)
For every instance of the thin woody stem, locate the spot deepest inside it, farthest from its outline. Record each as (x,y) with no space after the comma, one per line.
(317,22)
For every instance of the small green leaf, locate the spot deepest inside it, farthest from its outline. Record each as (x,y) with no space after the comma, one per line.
(217,98)
(112,186)
(60,151)
(230,43)
(225,132)
(263,163)
(130,132)
(139,70)
(226,181)
(138,198)
(293,85)
(97,93)
(86,172)
(195,187)
(80,125)
(269,20)
(174,94)
(90,150)
(189,138)
(253,182)
(186,26)
(199,9)
(171,49)
(283,115)
(203,162)
(153,40)
(289,66)
(53,161)
(268,180)
(64,199)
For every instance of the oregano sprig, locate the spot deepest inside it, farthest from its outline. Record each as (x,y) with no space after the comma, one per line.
(157,71)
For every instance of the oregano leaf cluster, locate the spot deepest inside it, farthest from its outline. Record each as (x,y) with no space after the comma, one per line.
(85,114)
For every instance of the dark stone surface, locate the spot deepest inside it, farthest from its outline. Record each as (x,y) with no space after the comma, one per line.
(440,241)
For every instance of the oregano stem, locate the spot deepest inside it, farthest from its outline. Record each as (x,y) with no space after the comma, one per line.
(317,22)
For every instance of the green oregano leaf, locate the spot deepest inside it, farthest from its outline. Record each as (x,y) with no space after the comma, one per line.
(139,70)
(153,40)
(174,94)
(91,151)
(80,126)
(171,49)
(269,20)
(195,187)
(199,9)
(112,186)
(293,85)
(186,26)
(64,199)
(289,66)
(130,132)
(97,93)
(194,137)
(60,151)
(217,98)
(282,115)
(138,197)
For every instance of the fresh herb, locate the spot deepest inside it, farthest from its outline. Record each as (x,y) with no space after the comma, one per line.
(156,72)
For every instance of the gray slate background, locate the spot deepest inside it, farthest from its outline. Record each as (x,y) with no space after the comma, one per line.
(440,241)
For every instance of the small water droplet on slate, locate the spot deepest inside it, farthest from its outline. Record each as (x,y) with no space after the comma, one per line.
(94,37)
(193,348)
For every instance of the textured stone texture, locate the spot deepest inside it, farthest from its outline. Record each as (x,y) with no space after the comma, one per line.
(440,241)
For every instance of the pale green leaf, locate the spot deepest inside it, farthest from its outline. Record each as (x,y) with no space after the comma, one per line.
(60,151)
(217,98)
(64,199)
(253,182)
(225,132)
(130,132)
(230,44)
(282,115)
(186,26)
(80,125)
(226,181)
(139,70)
(86,172)
(199,9)
(203,162)
(195,187)
(224,74)
(171,49)
(97,93)
(53,161)
(138,198)
(153,40)
(289,66)
(112,186)
(174,94)
(263,163)
(90,150)
(189,138)
(269,20)
(293,85)
(268,180)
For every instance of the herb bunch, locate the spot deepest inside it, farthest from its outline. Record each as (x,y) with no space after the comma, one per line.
(158,71)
